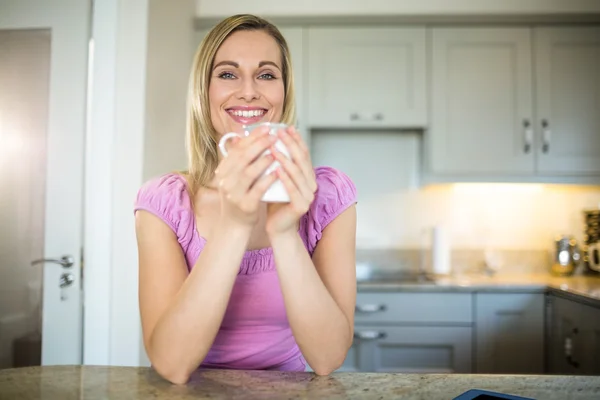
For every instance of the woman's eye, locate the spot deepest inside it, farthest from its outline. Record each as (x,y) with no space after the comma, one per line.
(226,75)
(267,76)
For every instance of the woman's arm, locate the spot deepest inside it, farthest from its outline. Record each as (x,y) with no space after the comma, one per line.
(181,313)
(320,294)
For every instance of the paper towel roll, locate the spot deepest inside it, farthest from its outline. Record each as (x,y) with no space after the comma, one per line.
(440,251)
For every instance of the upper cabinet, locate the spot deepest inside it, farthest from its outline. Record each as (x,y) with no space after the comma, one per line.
(567,75)
(481,101)
(367,77)
(516,102)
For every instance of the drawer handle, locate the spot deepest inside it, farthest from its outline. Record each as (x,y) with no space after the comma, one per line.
(509,312)
(370,308)
(369,335)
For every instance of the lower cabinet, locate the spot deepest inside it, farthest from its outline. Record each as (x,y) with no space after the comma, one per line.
(509,333)
(413,332)
(453,332)
(410,349)
(574,338)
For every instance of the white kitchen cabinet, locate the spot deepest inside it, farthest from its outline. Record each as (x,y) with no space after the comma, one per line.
(509,331)
(412,332)
(515,102)
(567,71)
(481,101)
(413,349)
(367,77)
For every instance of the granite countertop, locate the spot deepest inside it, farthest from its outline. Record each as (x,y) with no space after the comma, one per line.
(130,383)
(585,288)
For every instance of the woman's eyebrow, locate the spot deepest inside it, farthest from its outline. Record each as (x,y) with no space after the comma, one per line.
(263,63)
(232,63)
(236,65)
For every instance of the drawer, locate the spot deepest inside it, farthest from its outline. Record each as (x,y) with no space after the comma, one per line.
(413,308)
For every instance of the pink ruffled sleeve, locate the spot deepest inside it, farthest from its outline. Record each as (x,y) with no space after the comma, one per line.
(167,198)
(336,192)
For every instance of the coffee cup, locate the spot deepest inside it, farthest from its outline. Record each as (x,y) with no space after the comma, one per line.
(276,192)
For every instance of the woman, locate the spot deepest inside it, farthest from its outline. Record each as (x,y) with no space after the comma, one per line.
(228,281)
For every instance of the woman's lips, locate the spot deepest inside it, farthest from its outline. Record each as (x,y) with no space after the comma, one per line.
(246,116)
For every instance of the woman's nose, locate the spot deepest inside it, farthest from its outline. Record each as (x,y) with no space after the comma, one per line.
(248,90)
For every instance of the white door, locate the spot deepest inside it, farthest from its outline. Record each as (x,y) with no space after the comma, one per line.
(43,75)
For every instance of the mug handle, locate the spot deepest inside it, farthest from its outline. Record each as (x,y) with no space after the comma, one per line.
(224,140)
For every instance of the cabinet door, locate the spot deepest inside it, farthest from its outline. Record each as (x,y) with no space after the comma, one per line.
(510,333)
(481,102)
(568,99)
(432,349)
(367,77)
(565,339)
(590,340)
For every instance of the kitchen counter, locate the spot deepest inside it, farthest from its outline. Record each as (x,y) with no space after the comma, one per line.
(88,382)
(583,288)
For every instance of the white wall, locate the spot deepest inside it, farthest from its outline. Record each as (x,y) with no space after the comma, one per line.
(395,212)
(170,49)
(333,8)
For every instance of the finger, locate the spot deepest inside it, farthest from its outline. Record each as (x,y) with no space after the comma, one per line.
(225,163)
(299,203)
(261,186)
(298,138)
(250,150)
(300,154)
(238,188)
(296,174)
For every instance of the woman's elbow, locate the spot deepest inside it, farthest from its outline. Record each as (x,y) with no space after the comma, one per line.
(175,375)
(328,366)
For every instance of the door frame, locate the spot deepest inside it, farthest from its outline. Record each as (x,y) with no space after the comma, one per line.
(113,174)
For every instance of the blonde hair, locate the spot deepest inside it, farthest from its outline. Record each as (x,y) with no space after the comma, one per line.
(202,138)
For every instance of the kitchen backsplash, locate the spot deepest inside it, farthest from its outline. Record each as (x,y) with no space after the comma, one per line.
(513,224)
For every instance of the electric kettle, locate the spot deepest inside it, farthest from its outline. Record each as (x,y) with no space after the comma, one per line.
(566,256)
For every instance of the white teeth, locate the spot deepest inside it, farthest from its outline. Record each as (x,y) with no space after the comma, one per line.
(247,114)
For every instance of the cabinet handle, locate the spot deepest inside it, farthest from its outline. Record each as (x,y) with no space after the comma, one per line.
(569,349)
(369,335)
(370,308)
(354,117)
(378,117)
(545,136)
(528,133)
(509,312)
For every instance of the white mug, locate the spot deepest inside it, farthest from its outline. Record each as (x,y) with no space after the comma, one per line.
(276,192)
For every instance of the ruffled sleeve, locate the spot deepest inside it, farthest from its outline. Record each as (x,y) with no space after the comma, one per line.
(168,199)
(336,192)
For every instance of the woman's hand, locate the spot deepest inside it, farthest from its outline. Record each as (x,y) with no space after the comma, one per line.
(240,178)
(298,177)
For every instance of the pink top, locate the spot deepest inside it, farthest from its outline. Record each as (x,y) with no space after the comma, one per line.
(255,333)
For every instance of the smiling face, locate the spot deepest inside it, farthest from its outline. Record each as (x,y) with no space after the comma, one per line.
(246,84)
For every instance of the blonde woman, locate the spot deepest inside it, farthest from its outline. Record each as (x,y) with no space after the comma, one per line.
(229,281)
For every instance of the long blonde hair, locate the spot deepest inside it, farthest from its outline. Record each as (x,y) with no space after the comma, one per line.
(202,138)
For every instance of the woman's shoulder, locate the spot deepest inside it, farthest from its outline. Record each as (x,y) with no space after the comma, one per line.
(335,192)
(166,196)
(332,183)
